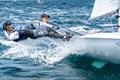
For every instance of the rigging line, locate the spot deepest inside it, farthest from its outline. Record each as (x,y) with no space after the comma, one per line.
(111,22)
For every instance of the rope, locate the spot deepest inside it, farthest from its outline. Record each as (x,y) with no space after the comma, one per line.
(111,22)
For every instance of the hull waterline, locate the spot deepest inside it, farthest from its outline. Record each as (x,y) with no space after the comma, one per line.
(103,46)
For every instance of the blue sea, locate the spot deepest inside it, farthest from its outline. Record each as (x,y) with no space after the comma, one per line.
(47,58)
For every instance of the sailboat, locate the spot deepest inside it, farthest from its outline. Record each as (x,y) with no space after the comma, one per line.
(104,45)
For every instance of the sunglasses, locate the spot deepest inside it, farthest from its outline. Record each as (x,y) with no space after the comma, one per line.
(9,26)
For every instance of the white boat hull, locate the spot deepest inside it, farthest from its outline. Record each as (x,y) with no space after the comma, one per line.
(103,46)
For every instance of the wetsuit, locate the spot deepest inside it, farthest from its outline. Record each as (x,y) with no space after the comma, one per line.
(44,29)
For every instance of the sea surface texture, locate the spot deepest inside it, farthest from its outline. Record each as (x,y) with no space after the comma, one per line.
(47,58)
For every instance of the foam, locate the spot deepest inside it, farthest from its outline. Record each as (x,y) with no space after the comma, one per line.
(55,51)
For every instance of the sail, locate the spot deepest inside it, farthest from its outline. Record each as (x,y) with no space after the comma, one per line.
(104,7)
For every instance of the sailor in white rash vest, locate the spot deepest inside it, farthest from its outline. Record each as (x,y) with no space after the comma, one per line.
(9,33)
(14,35)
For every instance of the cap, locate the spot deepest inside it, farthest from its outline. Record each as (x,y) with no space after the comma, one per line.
(45,15)
(7,23)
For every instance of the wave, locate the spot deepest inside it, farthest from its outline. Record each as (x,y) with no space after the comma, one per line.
(45,50)
(85,62)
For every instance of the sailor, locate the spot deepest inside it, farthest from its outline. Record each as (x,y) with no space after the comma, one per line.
(9,33)
(13,35)
(45,22)
(48,29)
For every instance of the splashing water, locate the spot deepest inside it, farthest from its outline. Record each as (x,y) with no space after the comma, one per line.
(45,50)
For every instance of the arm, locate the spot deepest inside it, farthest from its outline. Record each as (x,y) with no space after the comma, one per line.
(12,36)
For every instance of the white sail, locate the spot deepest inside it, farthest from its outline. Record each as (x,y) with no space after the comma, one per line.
(104,7)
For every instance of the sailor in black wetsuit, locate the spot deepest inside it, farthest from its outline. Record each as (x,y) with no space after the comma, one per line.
(14,35)
(43,28)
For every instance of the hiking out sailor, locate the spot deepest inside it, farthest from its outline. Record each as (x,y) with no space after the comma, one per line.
(14,35)
(9,33)
(44,28)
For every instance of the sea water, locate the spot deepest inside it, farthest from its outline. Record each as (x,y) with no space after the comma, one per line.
(47,58)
